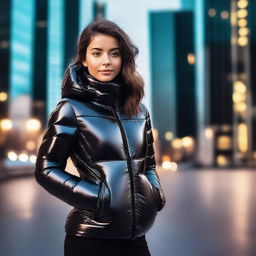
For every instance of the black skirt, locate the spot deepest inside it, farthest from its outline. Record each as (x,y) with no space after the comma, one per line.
(83,246)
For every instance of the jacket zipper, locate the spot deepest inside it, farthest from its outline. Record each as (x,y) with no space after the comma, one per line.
(129,168)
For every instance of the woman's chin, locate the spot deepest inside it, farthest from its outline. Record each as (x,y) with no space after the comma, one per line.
(105,78)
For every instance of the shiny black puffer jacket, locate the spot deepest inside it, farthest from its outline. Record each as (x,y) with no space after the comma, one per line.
(118,192)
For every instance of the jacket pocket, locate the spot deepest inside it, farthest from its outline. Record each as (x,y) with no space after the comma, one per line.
(154,195)
(147,191)
(146,207)
(157,197)
(103,202)
(85,196)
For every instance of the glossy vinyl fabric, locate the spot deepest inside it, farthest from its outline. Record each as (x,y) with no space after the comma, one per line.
(118,193)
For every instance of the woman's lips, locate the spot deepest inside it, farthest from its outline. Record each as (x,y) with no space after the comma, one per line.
(106,72)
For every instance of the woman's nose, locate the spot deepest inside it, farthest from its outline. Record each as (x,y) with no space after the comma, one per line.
(106,59)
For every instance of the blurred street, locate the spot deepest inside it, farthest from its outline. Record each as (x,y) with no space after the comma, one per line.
(208,212)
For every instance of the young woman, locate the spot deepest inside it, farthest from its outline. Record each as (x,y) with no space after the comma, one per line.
(105,129)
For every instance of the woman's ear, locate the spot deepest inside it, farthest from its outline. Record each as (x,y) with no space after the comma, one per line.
(85,63)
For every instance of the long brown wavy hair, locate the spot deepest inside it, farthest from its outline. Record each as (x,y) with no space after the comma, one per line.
(132,82)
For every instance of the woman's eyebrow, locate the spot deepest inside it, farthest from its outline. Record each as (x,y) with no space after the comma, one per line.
(99,49)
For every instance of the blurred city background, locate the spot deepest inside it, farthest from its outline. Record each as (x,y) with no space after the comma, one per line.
(197,61)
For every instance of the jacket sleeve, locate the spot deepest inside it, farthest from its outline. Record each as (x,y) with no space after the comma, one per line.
(150,169)
(58,142)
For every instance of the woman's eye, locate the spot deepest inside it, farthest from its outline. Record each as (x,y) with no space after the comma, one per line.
(115,54)
(96,53)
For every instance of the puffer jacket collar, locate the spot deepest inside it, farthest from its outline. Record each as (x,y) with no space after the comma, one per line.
(81,85)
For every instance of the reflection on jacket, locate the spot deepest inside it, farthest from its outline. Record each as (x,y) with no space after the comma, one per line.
(118,193)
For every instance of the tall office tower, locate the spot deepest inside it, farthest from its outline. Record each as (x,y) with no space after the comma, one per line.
(5,124)
(230,94)
(243,78)
(21,59)
(173,79)
(40,60)
(55,52)
(218,80)
(252,57)
(63,32)
(71,28)
(5,19)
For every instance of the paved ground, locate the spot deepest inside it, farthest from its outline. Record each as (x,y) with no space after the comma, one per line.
(208,212)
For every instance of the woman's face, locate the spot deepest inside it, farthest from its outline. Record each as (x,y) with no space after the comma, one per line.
(103,58)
